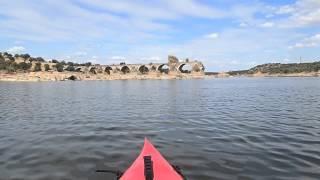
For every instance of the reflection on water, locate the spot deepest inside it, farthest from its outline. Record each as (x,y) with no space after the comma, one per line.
(214,129)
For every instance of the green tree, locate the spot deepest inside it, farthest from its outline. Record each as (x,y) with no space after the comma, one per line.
(59,67)
(37,67)
(25,56)
(40,59)
(55,61)
(70,68)
(63,62)
(24,66)
(88,64)
(9,56)
(11,66)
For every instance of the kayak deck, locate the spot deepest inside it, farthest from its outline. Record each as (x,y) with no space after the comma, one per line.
(150,165)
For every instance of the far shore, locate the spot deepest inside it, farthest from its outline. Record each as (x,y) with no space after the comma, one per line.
(63,76)
(259,74)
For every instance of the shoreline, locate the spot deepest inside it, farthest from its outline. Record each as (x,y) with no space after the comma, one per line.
(65,76)
(78,76)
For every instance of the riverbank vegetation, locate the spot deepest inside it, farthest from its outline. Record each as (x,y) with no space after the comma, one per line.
(278,68)
(7,63)
(26,63)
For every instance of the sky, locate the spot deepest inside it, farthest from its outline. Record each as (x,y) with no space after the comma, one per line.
(223,34)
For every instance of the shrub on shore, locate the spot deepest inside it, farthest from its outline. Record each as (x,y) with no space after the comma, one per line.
(59,67)
(24,66)
(70,68)
(54,61)
(11,66)
(24,56)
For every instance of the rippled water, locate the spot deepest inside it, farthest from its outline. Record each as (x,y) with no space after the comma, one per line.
(258,128)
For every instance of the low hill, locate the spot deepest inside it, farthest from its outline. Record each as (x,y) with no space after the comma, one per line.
(278,68)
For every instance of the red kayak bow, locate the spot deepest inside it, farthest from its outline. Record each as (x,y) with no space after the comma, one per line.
(150,165)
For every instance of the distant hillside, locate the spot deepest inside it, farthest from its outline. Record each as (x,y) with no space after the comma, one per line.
(278,68)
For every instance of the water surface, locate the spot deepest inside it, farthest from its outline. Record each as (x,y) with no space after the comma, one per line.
(241,128)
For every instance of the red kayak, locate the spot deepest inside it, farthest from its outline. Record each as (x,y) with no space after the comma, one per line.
(150,165)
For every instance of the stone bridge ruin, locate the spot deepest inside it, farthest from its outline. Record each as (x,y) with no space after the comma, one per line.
(172,67)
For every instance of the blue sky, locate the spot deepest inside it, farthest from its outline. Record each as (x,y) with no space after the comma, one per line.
(224,34)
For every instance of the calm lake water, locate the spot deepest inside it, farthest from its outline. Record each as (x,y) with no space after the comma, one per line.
(241,128)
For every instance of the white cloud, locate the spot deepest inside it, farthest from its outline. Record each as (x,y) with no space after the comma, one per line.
(74,22)
(286,60)
(287,9)
(231,51)
(252,63)
(234,62)
(243,24)
(194,8)
(212,36)
(16,50)
(303,13)
(80,54)
(118,58)
(269,16)
(17,42)
(155,58)
(246,12)
(94,60)
(124,19)
(312,41)
(152,59)
(165,9)
(267,24)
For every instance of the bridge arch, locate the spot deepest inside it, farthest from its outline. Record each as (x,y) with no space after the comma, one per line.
(93,70)
(163,68)
(143,69)
(108,70)
(78,69)
(185,68)
(153,68)
(125,69)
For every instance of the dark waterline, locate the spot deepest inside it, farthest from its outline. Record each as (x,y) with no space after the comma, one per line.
(258,128)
